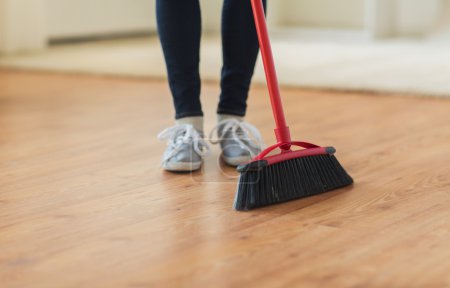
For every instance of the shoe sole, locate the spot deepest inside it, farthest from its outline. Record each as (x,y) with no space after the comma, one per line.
(182,166)
(235,161)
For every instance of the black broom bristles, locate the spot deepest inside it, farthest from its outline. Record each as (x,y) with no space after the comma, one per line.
(261,184)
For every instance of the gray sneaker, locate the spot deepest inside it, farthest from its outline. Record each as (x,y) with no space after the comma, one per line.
(239,141)
(186,148)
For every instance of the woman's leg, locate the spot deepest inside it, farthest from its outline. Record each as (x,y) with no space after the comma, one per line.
(179,28)
(240,51)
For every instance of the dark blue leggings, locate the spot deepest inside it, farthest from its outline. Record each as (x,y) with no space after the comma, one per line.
(179,28)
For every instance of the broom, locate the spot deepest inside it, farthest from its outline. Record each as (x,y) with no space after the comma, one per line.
(291,174)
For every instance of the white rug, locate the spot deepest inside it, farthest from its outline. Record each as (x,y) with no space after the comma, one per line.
(404,67)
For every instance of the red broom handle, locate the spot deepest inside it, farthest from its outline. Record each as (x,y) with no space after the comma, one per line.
(282,130)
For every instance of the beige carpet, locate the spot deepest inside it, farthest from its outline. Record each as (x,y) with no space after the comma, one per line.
(405,67)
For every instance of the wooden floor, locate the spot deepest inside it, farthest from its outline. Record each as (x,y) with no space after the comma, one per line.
(84,203)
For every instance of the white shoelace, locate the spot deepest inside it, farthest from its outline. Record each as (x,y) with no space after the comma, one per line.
(178,135)
(240,130)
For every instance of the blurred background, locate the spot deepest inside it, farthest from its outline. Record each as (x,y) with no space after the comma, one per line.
(85,203)
(366,45)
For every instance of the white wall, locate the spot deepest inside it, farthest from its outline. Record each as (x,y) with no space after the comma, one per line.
(21,25)
(442,29)
(29,24)
(211,14)
(81,18)
(348,14)
(405,18)
(416,17)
